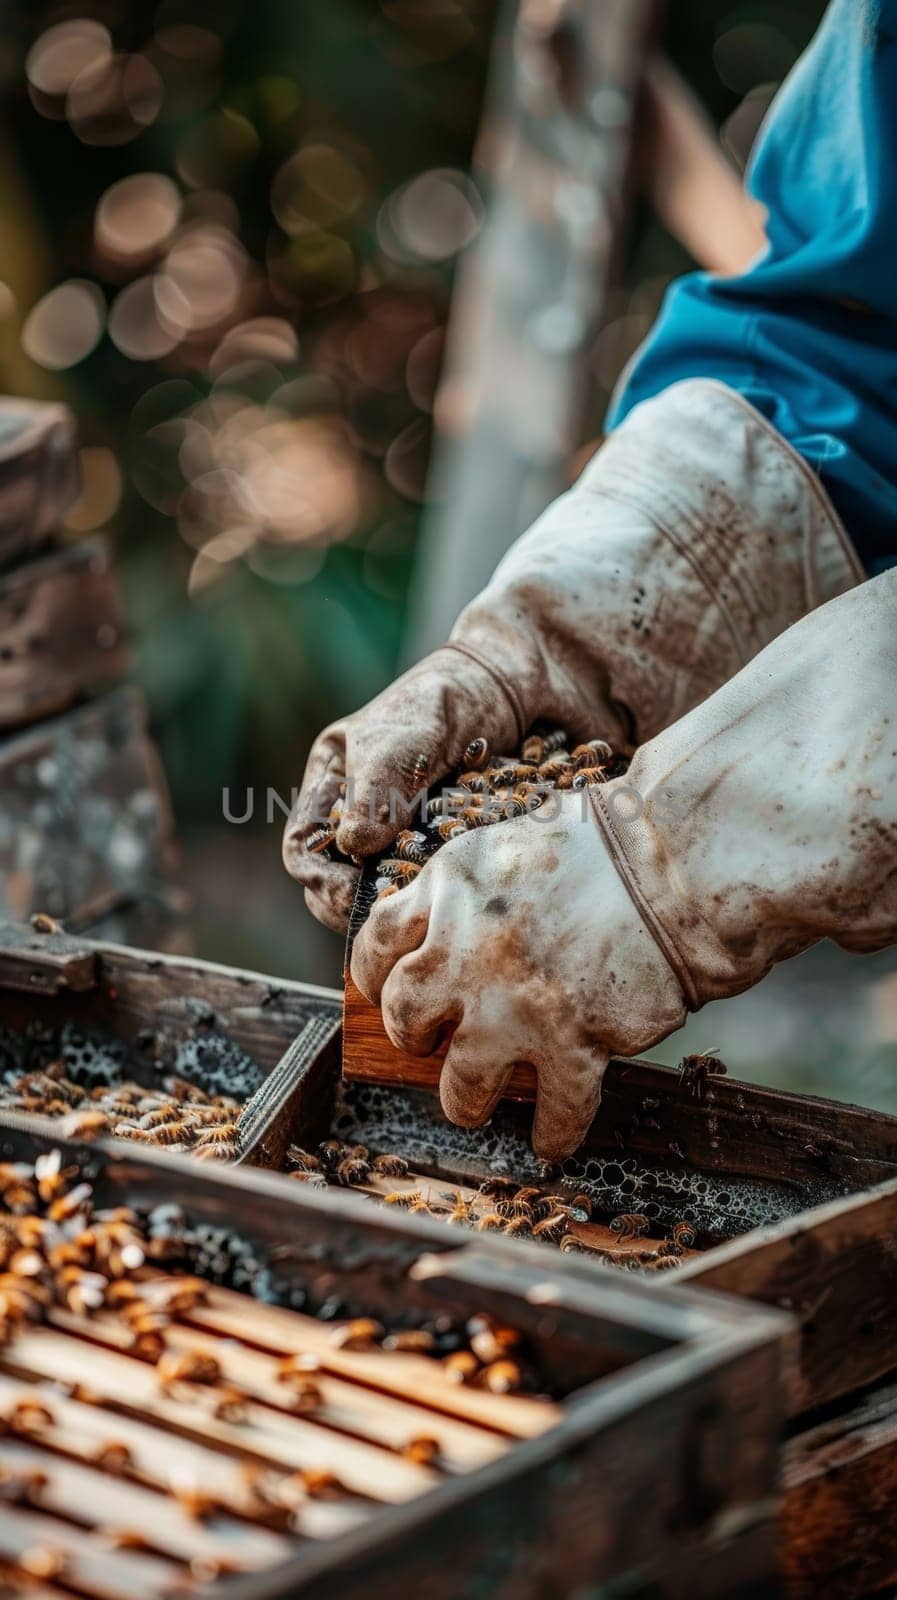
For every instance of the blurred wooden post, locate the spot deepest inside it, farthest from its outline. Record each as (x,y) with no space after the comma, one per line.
(555,155)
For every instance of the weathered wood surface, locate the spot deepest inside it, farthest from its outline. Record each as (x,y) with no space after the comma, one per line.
(840,1486)
(370,1056)
(39,476)
(696,1515)
(726,1126)
(835,1270)
(85,821)
(554,159)
(150,1000)
(61,632)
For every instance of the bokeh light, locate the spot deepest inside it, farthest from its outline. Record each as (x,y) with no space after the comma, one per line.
(114,99)
(432,217)
(58,57)
(136,217)
(65,326)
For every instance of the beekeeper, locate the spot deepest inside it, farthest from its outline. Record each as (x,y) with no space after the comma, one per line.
(718,592)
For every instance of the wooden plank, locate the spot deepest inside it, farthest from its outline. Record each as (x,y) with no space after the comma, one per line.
(390,1421)
(86,820)
(62,628)
(44,963)
(292,1442)
(108,1574)
(840,1482)
(153,1001)
(80,1431)
(416,1378)
(835,1270)
(369,1055)
(84,1494)
(39,477)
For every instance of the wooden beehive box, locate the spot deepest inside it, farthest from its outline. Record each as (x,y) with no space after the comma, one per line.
(654,1468)
(795,1200)
(153,1006)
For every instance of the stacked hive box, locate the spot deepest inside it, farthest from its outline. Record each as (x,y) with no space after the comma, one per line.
(85,826)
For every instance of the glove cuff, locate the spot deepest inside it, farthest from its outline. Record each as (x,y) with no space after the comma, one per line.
(605,816)
(503,682)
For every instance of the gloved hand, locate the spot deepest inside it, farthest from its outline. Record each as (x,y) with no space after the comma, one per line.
(763,821)
(694,537)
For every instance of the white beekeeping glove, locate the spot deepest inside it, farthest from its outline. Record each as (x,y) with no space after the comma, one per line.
(761,822)
(692,539)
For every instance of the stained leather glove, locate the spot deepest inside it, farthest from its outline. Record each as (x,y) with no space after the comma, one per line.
(693,538)
(761,822)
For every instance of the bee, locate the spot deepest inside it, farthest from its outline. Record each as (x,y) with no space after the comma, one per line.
(684,1235)
(570,1245)
(29,1415)
(528,1196)
(587,776)
(411,846)
(489,1341)
(401,872)
(479,817)
(305,1394)
(51,1177)
(461,1366)
(450,829)
(490,1222)
(405,1199)
(228,1150)
(43,1562)
(353,1170)
(502,1377)
(389,1165)
(412,1341)
(630,1225)
(363,1333)
(594,753)
(172,1133)
(581,1206)
(460,1214)
(474,782)
(320,840)
(315,1180)
(302,1160)
(696,1071)
(41,922)
(552,1227)
(422,1450)
(476,754)
(162,1116)
(420,773)
(68,1205)
(497,1188)
(549,772)
(226,1133)
(230,1406)
(114,1457)
(518,1227)
(186,1366)
(85,1124)
(331,1152)
(320,1485)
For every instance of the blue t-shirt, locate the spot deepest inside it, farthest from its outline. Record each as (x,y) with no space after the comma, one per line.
(809,333)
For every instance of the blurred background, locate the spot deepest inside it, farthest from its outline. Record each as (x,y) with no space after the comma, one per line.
(228,236)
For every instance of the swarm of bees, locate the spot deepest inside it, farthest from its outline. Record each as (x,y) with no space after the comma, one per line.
(486,789)
(106,1277)
(497,1205)
(180,1116)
